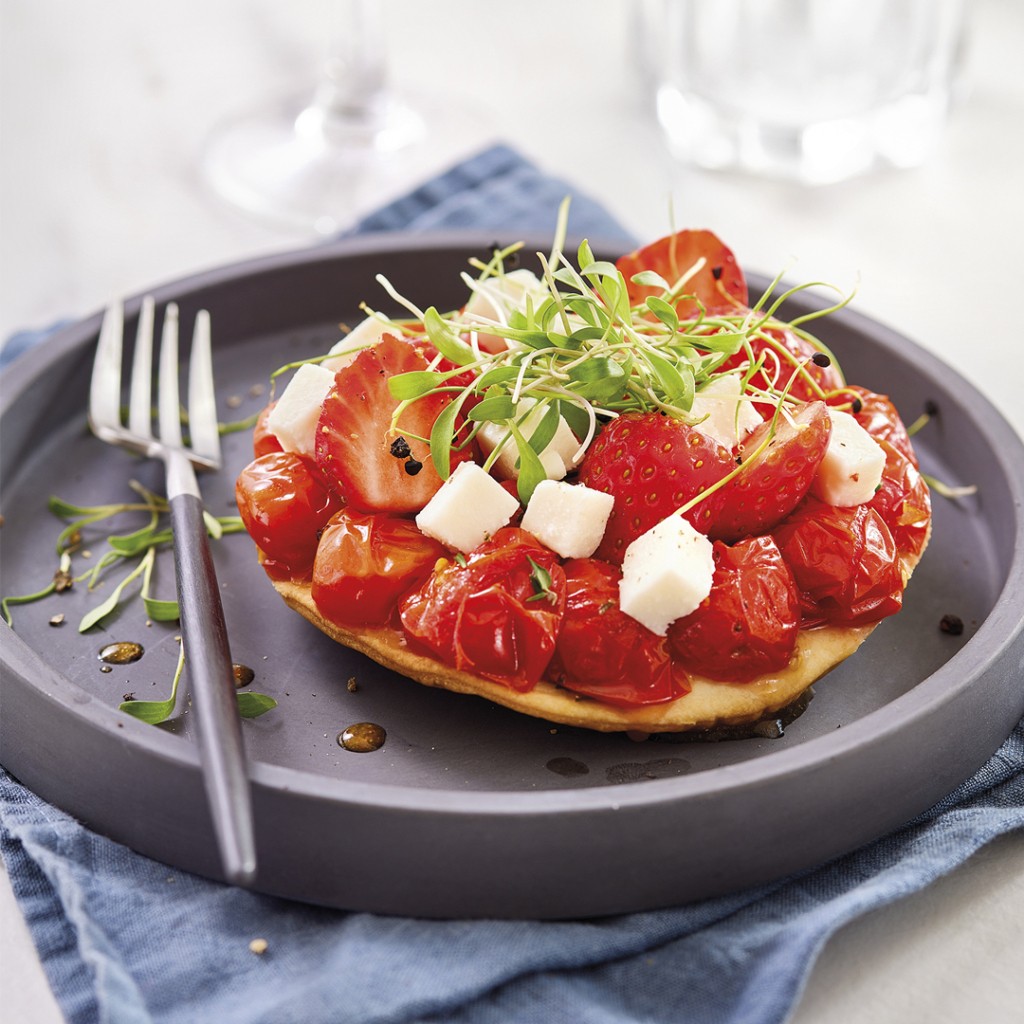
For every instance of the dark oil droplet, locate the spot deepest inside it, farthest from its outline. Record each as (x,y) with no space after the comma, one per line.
(243,674)
(122,652)
(567,766)
(362,738)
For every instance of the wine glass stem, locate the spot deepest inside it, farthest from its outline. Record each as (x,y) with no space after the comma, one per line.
(354,83)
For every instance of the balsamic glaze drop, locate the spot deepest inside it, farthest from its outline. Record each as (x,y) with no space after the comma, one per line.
(362,738)
(121,652)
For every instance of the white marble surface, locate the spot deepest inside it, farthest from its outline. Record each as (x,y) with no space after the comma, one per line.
(104,111)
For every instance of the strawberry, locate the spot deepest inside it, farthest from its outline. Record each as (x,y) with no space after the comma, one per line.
(651,465)
(771,484)
(719,285)
(356,449)
(784,353)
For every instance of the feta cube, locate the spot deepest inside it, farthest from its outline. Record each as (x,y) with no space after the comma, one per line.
(557,458)
(496,297)
(570,519)
(852,467)
(365,334)
(294,418)
(469,507)
(729,417)
(666,573)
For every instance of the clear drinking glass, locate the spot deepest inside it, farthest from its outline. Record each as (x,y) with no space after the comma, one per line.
(314,163)
(811,90)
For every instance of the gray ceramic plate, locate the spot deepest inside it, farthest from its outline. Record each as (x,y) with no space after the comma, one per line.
(469,809)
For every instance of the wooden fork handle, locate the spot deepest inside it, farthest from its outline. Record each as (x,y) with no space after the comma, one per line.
(212,684)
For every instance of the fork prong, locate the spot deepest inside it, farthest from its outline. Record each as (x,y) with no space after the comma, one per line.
(202,402)
(105,386)
(169,408)
(140,401)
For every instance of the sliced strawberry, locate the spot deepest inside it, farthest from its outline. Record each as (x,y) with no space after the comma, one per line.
(651,465)
(355,446)
(719,285)
(786,356)
(772,483)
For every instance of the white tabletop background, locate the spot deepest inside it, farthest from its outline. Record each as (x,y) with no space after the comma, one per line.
(104,111)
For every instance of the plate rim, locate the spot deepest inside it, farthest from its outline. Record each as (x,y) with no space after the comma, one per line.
(951,680)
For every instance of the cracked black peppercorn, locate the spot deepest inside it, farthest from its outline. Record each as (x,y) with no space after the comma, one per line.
(400,448)
(951,624)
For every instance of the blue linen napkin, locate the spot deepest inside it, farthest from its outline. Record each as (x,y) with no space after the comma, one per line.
(125,939)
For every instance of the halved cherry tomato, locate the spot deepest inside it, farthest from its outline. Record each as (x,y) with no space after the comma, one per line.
(844,561)
(903,501)
(283,506)
(263,441)
(719,285)
(748,624)
(497,615)
(365,563)
(605,653)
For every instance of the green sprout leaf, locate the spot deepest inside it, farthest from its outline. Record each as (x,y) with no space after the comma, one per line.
(252,705)
(156,711)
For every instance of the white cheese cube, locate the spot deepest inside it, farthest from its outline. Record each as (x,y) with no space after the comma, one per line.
(852,467)
(496,297)
(470,506)
(294,418)
(558,455)
(365,334)
(569,519)
(729,418)
(666,573)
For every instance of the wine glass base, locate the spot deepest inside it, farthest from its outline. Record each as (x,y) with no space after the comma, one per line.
(299,168)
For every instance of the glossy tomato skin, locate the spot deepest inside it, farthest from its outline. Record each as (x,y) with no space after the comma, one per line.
(719,286)
(486,616)
(748,625)
(284,505)
(365,563)
(903,501)
(604,653)
(263,441)
(844,561)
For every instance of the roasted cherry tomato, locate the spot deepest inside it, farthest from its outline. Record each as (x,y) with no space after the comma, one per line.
(903,501)
(604,653)
(494,613)
(718,286)
(284,505)
(263,441)
(844,561)
(748,624)
(365,563)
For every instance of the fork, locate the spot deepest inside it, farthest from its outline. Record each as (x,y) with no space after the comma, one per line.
(204,633)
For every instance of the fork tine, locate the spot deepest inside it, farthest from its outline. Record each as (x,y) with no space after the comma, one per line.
(169,409)
(105,386)
(202,402)
(140,402)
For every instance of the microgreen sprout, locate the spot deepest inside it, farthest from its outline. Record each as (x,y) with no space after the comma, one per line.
(137,550)
(577,347)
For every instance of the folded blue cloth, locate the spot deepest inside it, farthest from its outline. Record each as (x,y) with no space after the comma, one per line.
(126,939)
